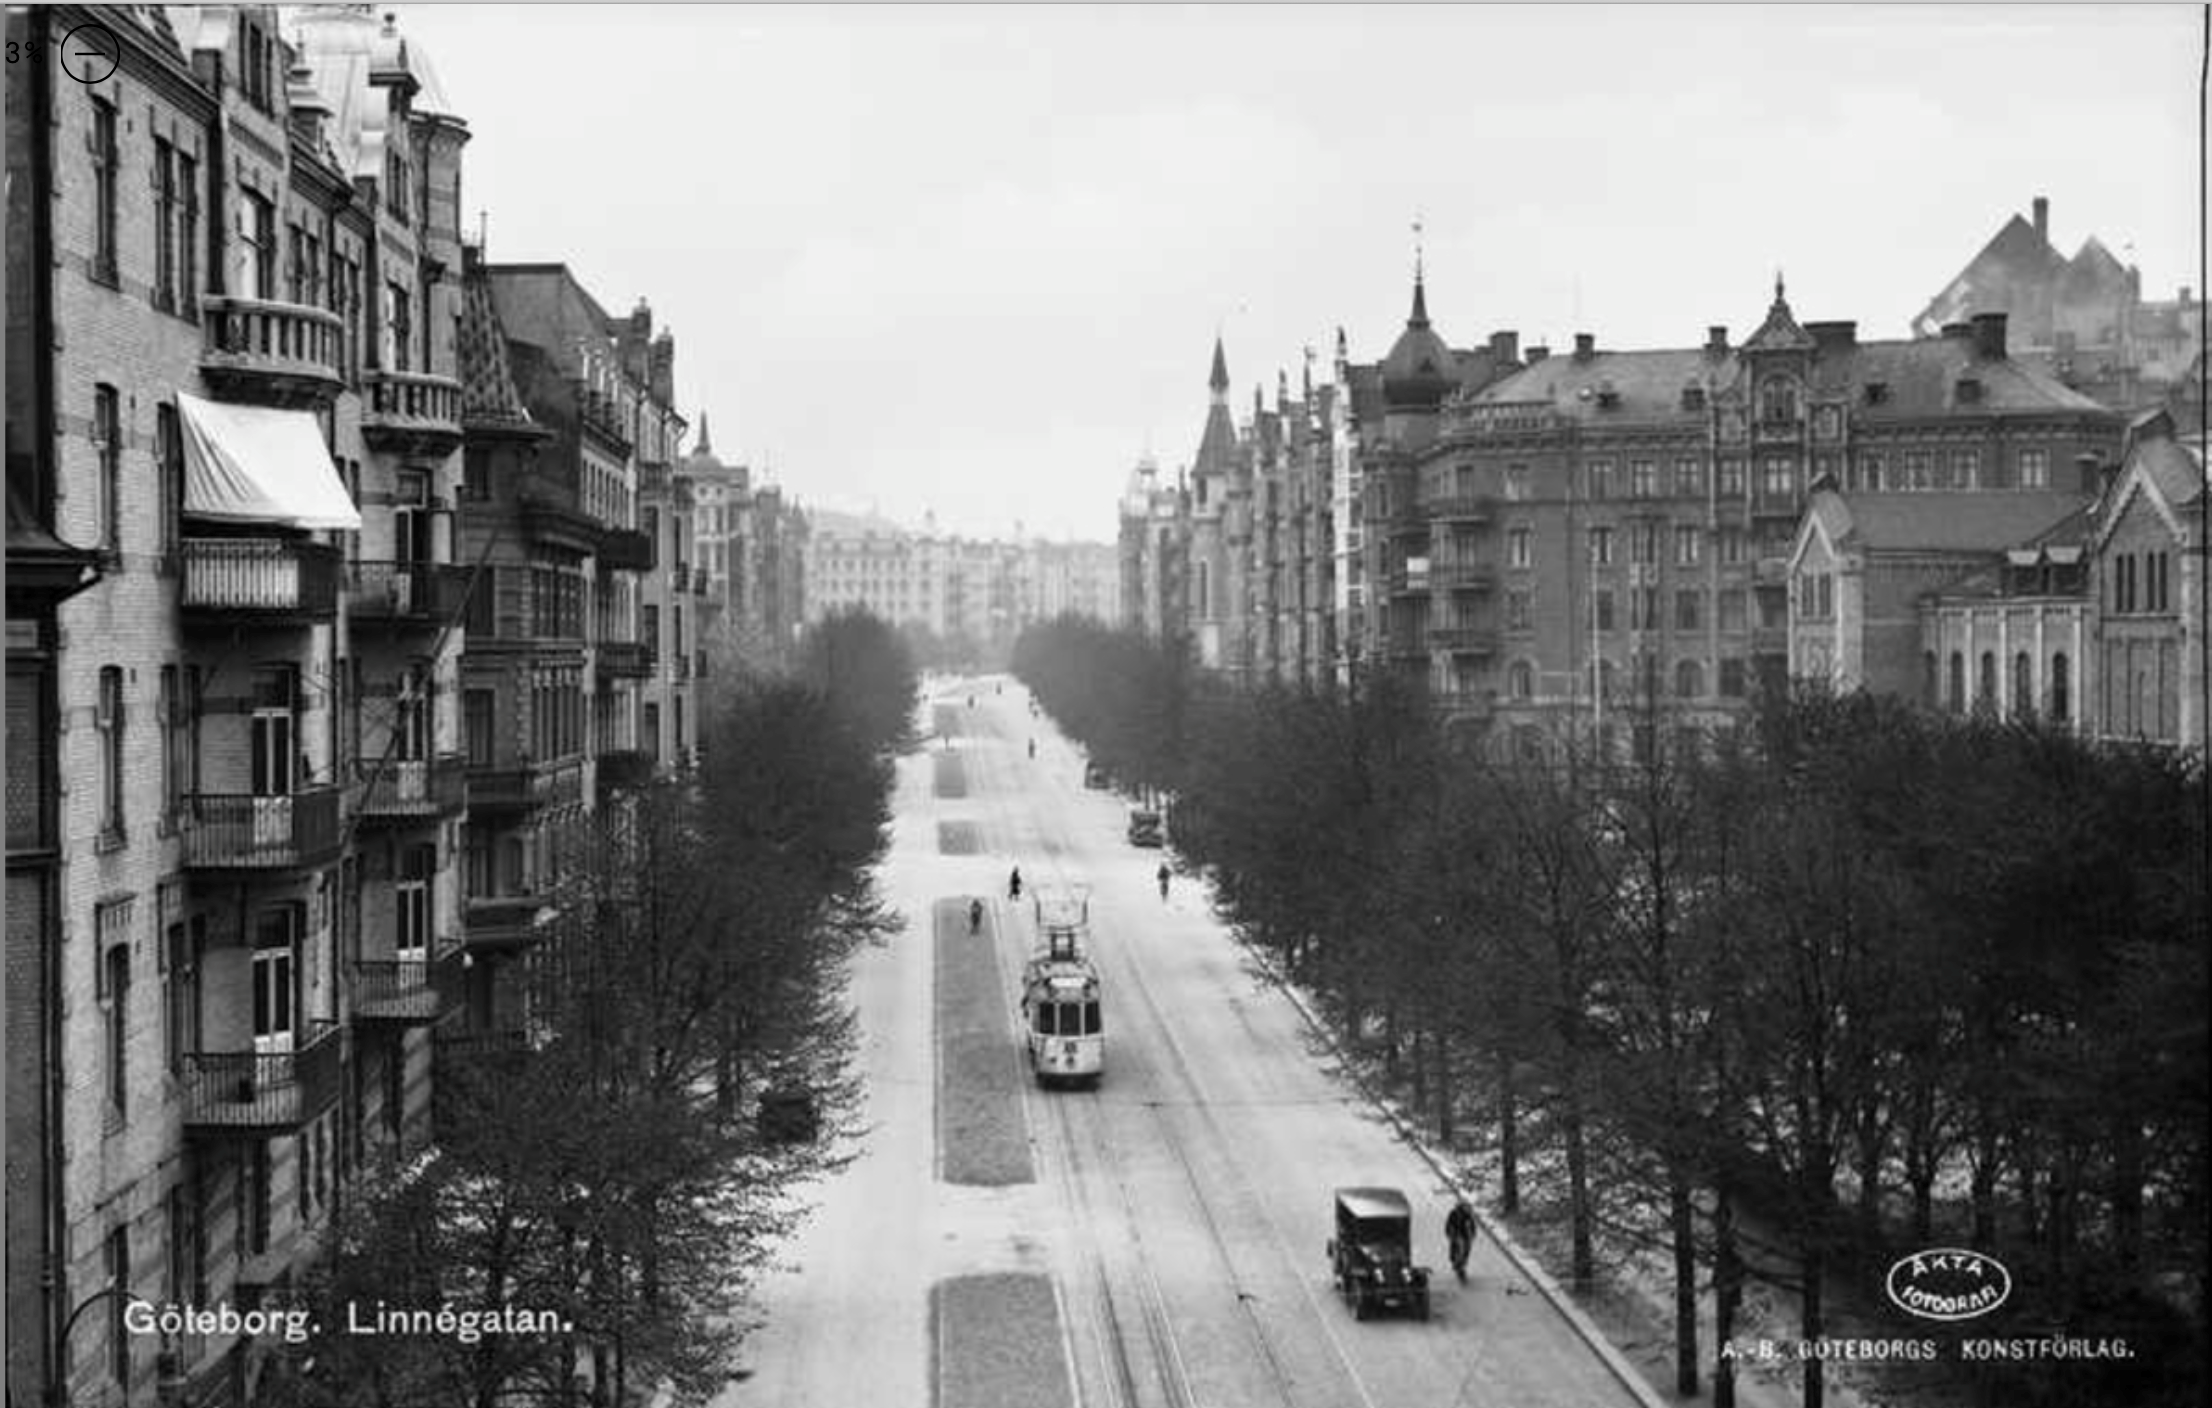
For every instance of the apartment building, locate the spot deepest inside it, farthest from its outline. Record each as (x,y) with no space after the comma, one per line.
(231,380)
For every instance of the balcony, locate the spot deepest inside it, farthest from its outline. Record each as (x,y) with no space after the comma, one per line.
(234,831)
(1407,583)
(1771,571)
(625,550)
(549,519)
(505,921)
(411,789)
(524,787)
(405,595)
(1408,522)
(626,659)
(1463,577)
(625,768)
(411,413)
(267,580)
(279,354)
(263,1092)
(1462,508)
(409,992)
(1463,640)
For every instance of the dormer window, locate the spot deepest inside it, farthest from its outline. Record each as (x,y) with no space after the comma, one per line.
(1970,389)
(1608,398)
(1693,398)
(1877,393)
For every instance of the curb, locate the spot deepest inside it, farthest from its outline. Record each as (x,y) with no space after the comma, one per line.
(1577,1320)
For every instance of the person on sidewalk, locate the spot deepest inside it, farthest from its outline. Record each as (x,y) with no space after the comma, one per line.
(1163,878)
(1459,1233)
(1014,884)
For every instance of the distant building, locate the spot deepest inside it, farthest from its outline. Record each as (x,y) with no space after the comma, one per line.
(2083,319)
(2148,558)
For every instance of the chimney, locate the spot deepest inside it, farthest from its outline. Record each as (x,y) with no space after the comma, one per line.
(2186,299)
(1989,336)
(2043,219)
(1586,346)
(1716,340)
(1839,336)
(663,382)
(1537,354)
(1506,346)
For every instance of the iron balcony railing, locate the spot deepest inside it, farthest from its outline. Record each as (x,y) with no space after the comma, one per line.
(626,550)
(264,1092)
(627,658)
(504,921)
(624,767)
(525,786)
(408,991)
(235,831)
(1463,577)
(263,349)
(417,593)
(408,788)
(1463,640)
(1462,508)
(269,578)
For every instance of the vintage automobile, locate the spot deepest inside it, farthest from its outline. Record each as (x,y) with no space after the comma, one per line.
(1145,829)
(1096,777)
(1371,1255)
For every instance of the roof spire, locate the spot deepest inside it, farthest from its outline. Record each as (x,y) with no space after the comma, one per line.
(1219,381)
(706,441)
(1778,284)
(1420,315)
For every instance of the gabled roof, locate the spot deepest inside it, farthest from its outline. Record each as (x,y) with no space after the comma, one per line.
(2015,255)
(488,393)
(1956,522)
(1780,332)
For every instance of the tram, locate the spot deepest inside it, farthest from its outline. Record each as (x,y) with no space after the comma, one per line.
(1060,1013)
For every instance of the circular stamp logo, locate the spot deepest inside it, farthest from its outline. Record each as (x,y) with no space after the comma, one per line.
(1948,1283)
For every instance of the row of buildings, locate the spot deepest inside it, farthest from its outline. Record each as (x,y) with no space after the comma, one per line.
(1631,542)
(348,575)
(976,595)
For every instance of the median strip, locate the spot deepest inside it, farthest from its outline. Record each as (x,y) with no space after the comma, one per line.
(999,1343)
(982,1138)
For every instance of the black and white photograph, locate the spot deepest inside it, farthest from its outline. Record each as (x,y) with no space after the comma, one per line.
(1107,706)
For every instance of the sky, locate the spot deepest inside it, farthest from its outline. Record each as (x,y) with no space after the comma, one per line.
(970,261)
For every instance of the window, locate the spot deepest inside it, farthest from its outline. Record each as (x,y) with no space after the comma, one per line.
(109,722)
(1966,469)
(1957,695)
(107,441)
(2035,469)
(1869,477)
(112,926)
(174,735)
(1643,543)
(1777,400)
(393,354)
(1608,685)
(1688,539)
(188,236)
(1601,546)
(1601,479)
(1517,547)
(1643,479)
(275,978)
(2059,688)
(1913,471)
(1516,483)
(1928,688)
(1689,479)
(1689,680)
(411,904)
(1732,678)
(2157,579)
(256,247)
(1985,692)
(1731,478)
(1689,610)
(1734,548)
(183,943)
(169,471)
(165,225)
(1517,611)
(2023,685)
(102,141)
(1602,609)
(411,720)
(1777,478)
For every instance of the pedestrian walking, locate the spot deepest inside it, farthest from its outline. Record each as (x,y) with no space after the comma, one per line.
(1014,884)
(1459,1234)
(1163,876)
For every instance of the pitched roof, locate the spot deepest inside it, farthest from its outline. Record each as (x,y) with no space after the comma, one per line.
(1646,385)
(488,394)
(1962,522)
(1780,332)
(2015,256)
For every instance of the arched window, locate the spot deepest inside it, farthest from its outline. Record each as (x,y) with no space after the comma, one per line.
(1778,399)
(1689,680)
(2059,688)
(2023,686)
(1928,694)
(1958,683)
(1985,684)
(1520,680)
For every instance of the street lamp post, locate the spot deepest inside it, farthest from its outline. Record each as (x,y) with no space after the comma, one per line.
(168,1380)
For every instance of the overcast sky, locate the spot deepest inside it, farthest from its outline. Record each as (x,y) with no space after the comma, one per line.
(972,259)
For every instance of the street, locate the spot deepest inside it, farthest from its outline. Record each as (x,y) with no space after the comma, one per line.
(1163,1241)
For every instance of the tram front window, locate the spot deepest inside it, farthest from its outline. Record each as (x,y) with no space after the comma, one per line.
(1090,1019)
